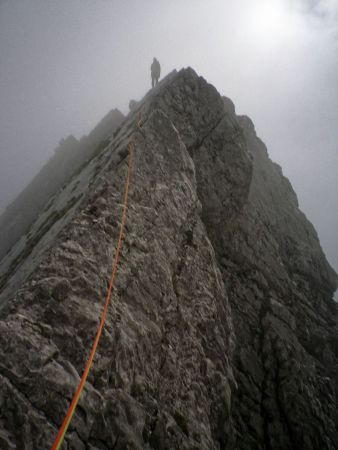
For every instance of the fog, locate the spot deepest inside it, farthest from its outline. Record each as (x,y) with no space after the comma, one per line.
(64,64)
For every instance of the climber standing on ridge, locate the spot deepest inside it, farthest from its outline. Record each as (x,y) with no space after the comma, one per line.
(155,72)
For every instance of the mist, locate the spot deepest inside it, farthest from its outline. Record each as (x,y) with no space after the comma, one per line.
(65,64)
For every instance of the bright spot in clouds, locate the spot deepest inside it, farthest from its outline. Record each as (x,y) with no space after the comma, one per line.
(272,22)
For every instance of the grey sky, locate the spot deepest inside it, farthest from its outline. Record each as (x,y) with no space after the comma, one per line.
(65,63)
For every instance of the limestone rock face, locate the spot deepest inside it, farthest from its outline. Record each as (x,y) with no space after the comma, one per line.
(67,159)
(221,333)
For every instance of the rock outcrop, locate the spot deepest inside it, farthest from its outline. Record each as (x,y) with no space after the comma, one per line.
(221,333)
(68,158)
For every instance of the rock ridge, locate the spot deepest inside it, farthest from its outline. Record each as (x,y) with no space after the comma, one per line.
(222,332)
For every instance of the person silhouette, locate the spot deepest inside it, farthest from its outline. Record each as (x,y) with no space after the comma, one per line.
(155,72)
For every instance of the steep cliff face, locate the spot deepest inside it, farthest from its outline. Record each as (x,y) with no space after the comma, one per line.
(222,332)
(67,159)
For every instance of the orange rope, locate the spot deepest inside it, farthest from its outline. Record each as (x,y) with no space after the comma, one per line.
(63,429)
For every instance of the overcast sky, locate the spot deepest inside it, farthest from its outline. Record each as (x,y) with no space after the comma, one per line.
(66,63)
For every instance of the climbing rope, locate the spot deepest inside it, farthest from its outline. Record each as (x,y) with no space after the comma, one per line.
(68,417)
